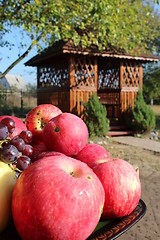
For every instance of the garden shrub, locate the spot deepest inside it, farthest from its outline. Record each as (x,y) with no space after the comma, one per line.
(95,117)
(141,118)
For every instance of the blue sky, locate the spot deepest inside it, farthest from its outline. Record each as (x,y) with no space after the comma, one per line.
(7,57)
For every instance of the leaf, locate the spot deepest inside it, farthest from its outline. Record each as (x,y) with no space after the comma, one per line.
(123,24)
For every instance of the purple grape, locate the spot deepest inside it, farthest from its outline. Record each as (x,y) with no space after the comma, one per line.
(23,162)
(9,123)
(9,153)
(18,143)
(26,135)
(3,132)
(28,151)
(5,143)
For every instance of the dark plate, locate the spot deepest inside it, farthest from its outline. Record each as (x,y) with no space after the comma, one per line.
(107,230)
(104,230)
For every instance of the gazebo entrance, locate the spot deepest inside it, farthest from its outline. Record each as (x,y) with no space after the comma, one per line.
(118,85)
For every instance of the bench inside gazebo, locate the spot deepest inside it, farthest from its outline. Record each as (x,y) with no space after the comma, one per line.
(68,75)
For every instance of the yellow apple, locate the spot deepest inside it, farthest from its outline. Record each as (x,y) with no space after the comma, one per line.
(7,183)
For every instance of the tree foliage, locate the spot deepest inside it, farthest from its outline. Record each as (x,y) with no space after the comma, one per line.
(118,24)
(95,116)
(140,118)
(151,84)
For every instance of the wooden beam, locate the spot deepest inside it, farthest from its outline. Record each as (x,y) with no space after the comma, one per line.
(38,77)
(141,75)
(96,73)
(71,71)
(71,82)
(129,89)
(121,75)
(120,86)
(84,88)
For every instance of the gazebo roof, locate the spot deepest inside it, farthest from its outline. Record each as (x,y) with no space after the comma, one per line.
(62,47)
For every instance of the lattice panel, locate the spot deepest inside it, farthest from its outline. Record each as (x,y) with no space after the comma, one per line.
(52,77)
(131,76)
(84,72)
(108,79)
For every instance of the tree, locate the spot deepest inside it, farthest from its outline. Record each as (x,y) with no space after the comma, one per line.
(121,24)
(31,89)
(95,117)
(151,83)
(140,118)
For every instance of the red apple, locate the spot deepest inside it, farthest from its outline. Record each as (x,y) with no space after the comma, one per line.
(65,133)
(121,185)
(19,125)
(92,152)
(57,198)
(38,117)
(46,154)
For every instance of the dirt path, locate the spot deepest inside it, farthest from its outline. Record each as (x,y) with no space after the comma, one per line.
(145,155)
(144,143)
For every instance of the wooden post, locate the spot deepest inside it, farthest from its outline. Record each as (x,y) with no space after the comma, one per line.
(96,73)
(121,75)
(38,77)
(71,82)
(38,84)
(120,86)
(141,75)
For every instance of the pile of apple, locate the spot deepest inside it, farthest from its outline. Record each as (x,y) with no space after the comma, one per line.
(71,184)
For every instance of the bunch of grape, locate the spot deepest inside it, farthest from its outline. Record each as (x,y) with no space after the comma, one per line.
(17,150)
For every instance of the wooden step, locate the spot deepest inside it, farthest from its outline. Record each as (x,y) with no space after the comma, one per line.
(117,127)
(120,133)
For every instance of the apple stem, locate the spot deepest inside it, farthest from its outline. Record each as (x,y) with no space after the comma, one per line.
(89,177)
(14,169)
(72,174)
(57,129)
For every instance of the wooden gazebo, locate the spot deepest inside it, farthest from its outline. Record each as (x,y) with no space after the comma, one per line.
(67,75)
